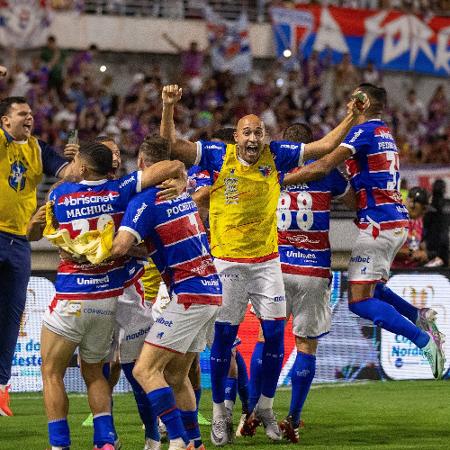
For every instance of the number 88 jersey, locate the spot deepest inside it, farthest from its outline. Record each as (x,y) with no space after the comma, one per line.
(303,225)
(88,206)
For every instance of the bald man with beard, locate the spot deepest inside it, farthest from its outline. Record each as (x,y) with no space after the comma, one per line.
(246,179)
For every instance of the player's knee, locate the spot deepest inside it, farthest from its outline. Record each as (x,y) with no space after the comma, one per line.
(141,372)
(305,345)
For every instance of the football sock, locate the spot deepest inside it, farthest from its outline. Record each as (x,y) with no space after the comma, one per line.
(58,433)
(386,316)
(402,306)
(104,432)
(190,423)
(145,412)
(230,392)
(273,354)
(254,385)
(198,395)
(242,385)
(224,337)
(163,405)
(301,376)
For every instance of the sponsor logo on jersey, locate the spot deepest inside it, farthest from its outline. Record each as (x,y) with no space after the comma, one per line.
(384,133)
(89,281)
(210,282)
(127,181)
(164,322)
(141,332)
(356,135)
(360,259)
(98,312)
(302,239)
(86,199)
(299,254)
(139,212)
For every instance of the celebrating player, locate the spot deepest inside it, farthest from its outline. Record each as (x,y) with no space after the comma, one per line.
(372,162)
(243,203)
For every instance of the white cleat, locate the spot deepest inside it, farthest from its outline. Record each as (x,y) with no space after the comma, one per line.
(240,425)
(221,431)
(426,321)
(435,355)
(268,419)
(150,444)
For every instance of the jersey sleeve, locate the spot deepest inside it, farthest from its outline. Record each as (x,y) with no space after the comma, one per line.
(356,139)
(138,218)
(197,179)
(129,186)
(210,155)
(51,161)
(339,184)
(287,155)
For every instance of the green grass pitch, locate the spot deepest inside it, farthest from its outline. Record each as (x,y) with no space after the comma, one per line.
(378,415)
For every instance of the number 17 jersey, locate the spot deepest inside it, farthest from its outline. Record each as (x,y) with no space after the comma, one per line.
(374,175)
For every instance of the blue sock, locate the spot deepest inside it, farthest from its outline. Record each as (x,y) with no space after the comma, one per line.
(273,354)
(58,433)
(254,385)
(242,382)
(104,432)
(224,337)
(106,370)
(198,395)
(145,412)
(190,422)
(402,306)
(387,317)
(231,389)
(163,405)
(302,375)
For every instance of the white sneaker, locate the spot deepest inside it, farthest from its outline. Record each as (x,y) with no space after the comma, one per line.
(240,425)
(426,321)
(435,354)
(221,429)
(268,419)
(150,444)
(178,444)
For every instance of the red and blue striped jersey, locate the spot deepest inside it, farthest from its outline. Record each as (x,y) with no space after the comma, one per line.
(177,244)
(374,175)
(304,222)
(87,206)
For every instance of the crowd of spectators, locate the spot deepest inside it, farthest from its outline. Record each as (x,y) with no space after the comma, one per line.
(67,91)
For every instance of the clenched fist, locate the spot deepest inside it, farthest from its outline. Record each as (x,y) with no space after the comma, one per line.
(3,71)
(171,94)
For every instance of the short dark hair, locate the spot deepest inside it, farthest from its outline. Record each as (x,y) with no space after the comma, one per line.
(101,139)
(224,134)
(154,149)
(298,132)
(98,156)
(377,96)
(6,103)
(419,195)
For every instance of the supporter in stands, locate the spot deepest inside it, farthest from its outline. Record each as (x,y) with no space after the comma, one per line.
(436,226)
(413,253)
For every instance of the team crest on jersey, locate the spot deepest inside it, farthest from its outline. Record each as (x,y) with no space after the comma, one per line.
(17,176)
(265,170)
(231,189)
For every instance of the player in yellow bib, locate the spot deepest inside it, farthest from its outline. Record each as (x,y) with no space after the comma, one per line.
(246,179)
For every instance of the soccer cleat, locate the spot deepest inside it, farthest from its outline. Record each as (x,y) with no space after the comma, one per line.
(177,445)
(89,421)
(150,444)
(289,431)
(106,447)
(202,420)
(434,353)
(268,419)
(221,431)
(426,321)
(240,425)
(5,410)
(250,424)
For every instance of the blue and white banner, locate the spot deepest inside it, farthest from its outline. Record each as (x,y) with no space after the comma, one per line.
(391,39)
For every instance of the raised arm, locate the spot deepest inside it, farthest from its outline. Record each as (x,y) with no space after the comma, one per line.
(320,148)
(162,171)
(181,149)
(318,169)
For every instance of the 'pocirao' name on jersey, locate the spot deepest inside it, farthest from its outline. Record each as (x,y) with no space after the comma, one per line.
(303,225)
(178,245)
(87,206)
(374,171)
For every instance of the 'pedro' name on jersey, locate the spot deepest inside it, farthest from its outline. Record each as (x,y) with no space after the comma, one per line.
(178,245)
(88,206)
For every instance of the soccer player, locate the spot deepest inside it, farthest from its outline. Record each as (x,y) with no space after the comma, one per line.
(23,162)
(244,198)
(83,311)
(372,161)
(180,250)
